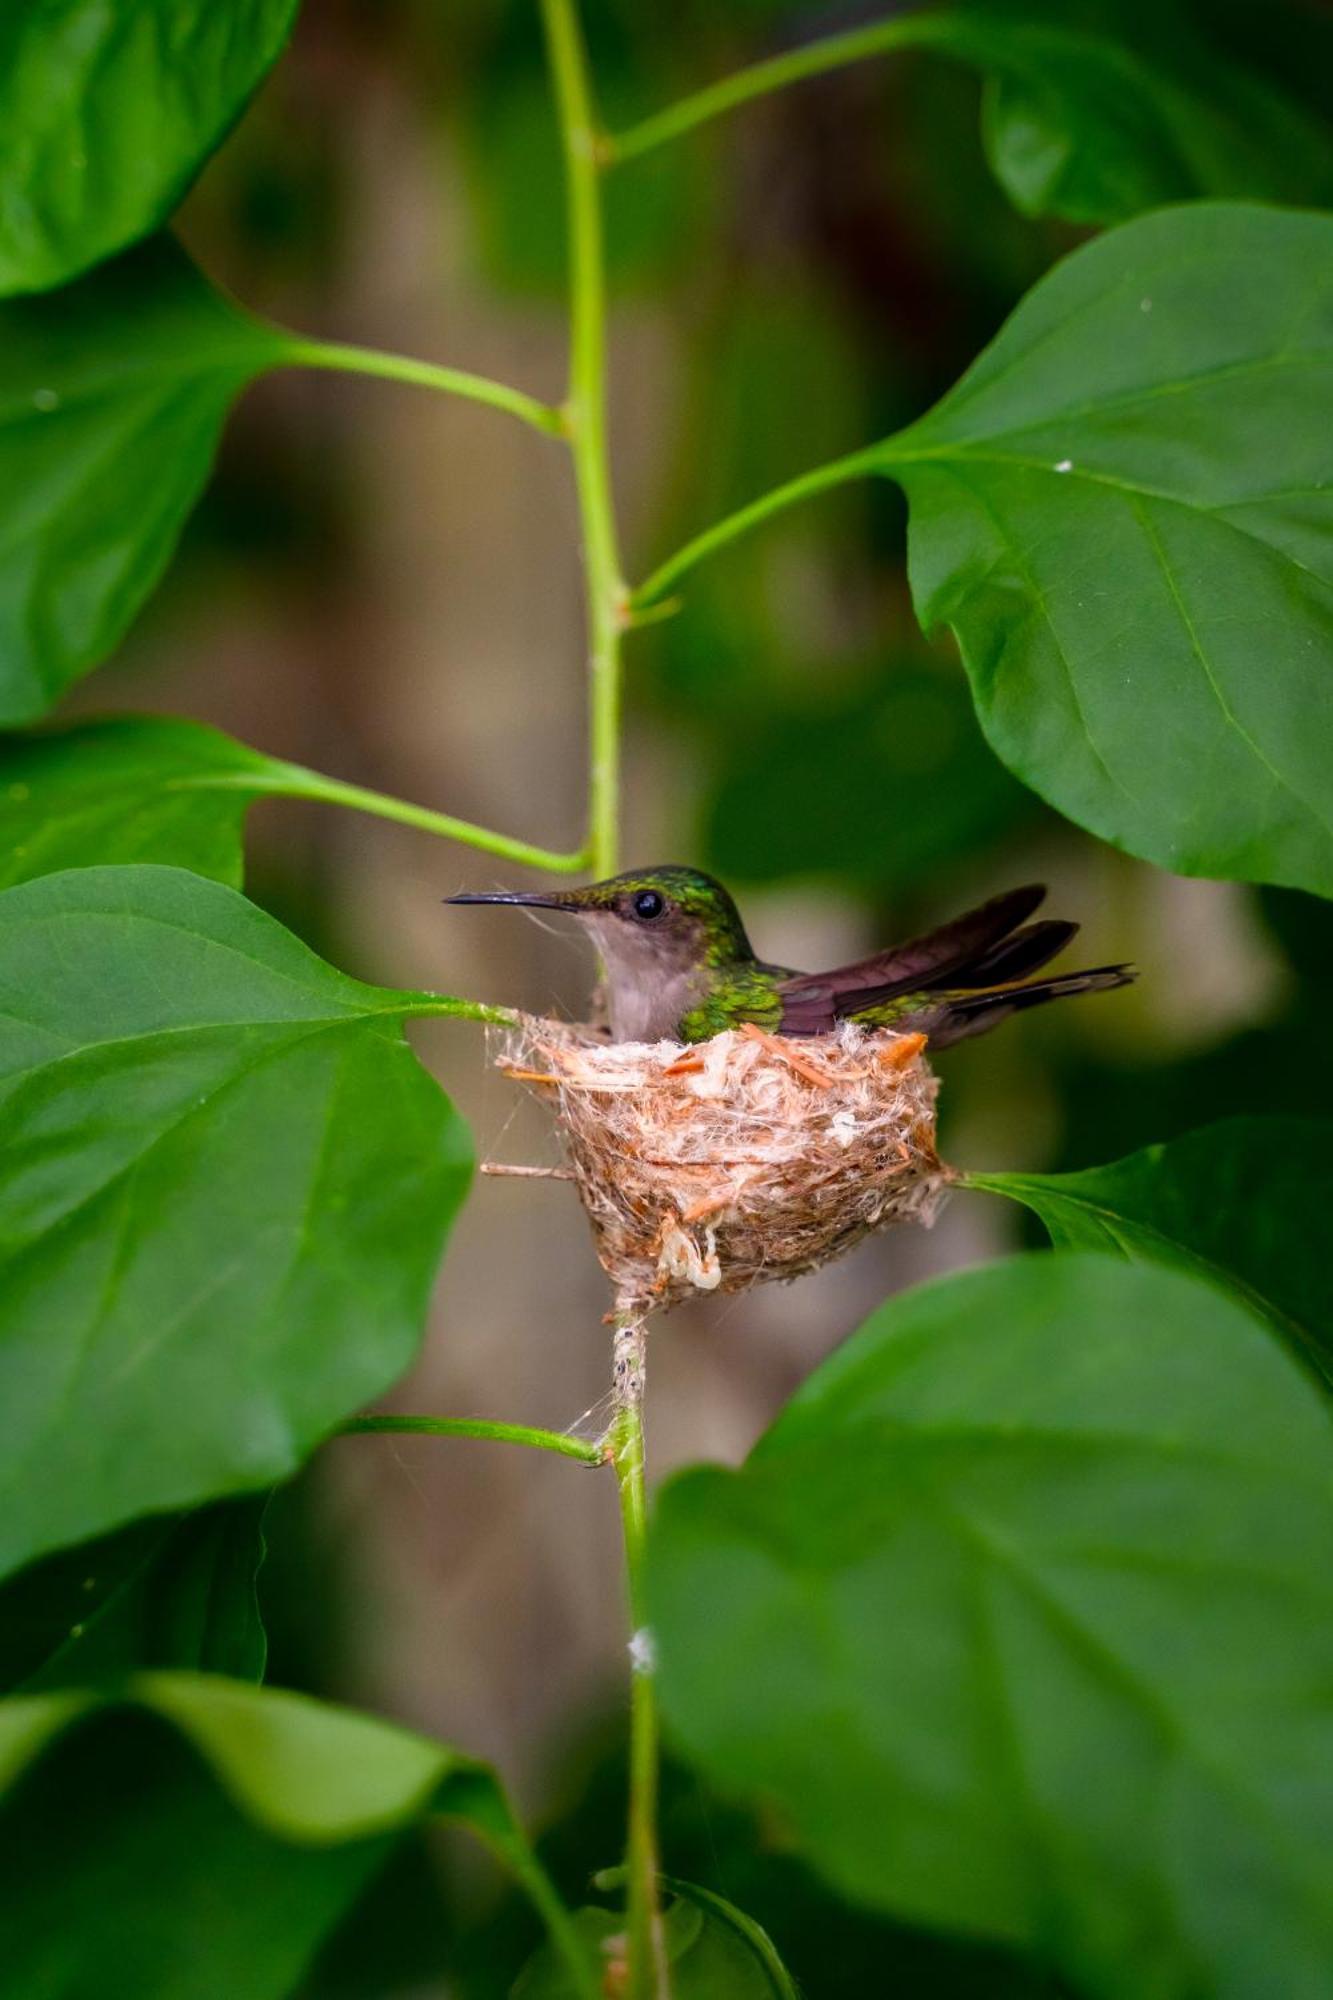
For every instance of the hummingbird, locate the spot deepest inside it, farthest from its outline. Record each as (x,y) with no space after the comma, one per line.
(680,967)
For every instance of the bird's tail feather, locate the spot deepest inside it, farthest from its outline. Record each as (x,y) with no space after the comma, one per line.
(953,1017)
(1014,957)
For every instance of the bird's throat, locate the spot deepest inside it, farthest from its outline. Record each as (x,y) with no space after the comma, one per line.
(653,976)
(648,1006)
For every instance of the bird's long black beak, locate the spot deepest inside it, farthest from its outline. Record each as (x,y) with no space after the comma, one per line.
(527,899)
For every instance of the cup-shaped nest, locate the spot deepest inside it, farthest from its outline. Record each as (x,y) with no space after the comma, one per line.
(709,1166)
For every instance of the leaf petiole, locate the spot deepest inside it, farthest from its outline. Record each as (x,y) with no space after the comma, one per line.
(776,73)
(345,359)
(295,781)
(856,465)
(480,1427)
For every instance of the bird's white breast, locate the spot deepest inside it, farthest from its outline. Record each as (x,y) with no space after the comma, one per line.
(648,1009)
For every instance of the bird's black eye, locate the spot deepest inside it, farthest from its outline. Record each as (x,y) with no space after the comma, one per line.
(648,904)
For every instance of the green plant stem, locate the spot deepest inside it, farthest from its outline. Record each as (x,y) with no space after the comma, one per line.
(856,465)
(480,1427)
(585,421)
(445,1007)
(608,615)
(296,782)
(762,78)
(648,1978)
(346,360)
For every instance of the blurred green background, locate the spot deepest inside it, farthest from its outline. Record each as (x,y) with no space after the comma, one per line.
(386,585)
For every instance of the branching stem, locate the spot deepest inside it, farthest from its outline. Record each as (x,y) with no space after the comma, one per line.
(608,617)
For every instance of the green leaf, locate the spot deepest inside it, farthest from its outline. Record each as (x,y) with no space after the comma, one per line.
(112,395)
(1124,512)
(226,1182)
(1020,1616)
(108,117)
(127,789)
(159,1593)
(200,1848)
(1080,126)
(1243,1202)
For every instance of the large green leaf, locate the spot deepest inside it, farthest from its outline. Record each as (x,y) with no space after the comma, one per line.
(161,1592)
(226,1181)
(200,1849)
(1125,512)
(131,788)
(112,394)
(1244,1202)
(109,112)
(1020,1614)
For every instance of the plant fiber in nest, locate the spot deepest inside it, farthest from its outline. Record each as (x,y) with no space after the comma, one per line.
(709,1166)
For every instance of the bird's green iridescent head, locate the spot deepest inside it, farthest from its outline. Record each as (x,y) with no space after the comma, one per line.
(674,914)
(667,937)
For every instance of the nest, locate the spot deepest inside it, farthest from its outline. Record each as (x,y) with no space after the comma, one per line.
(707,1167)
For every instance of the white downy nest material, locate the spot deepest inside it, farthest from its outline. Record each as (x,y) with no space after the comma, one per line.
(709,1166)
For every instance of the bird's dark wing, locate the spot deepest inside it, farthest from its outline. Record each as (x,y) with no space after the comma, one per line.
(814,1002)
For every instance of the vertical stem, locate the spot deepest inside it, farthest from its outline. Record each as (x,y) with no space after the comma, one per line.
(648,1979)
(585,415)
(607,613)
